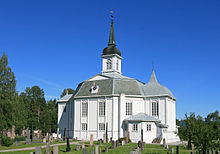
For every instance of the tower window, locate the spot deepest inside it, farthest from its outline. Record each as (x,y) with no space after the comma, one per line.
(117,64)
(148,127)
(155,108)
(109,64)
(101,126)
(84,126)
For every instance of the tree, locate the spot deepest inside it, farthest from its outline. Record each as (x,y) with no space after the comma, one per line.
(7,93)
(67,91)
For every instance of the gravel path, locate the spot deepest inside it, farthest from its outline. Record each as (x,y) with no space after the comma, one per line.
(33,148)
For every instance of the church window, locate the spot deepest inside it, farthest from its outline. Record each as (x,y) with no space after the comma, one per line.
(148,127)
(117,64)
(128,108)
(84,109)
(135,127)
(84,126)
(101,126)
(109,64)
(155,108)
(101,108)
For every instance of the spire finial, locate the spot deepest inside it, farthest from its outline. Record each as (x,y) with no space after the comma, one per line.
(112,35)
(152,65)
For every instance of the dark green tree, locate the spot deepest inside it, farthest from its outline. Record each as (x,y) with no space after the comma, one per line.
(65,91)
(7,93)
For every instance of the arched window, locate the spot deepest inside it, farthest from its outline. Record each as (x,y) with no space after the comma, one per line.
(109,64)
(117,64)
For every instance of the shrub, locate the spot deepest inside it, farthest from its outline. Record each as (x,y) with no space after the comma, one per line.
(19,138)
(6,141)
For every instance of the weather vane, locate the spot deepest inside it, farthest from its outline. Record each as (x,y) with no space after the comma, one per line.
(153,65)
(111,13)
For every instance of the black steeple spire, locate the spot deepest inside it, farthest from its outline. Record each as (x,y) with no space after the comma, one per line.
(112,34)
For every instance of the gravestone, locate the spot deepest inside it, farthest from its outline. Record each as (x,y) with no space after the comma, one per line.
(172,150)
(23,132)
(17,143)
(123,142)
(44,140)
(55,149)
(13,132)
(113,144)
(77,147)
(38,150)
(96,149)
(28,139)
(39,132)
(106,149)
(167,147)
(192,152)
(164,142)
(192,146)
(100,151)
(127,136)
(4,132)
(117,143)
(84,150)
(83,145)
(100,142)
(139,144)
(177,149)
(48,148)
(133,152)
(57,134)
(9,133)
(104,138)
(91,140)
(92,152)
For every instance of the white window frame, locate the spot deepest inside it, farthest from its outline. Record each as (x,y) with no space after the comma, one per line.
(128,108)
(101,108)
(135,127)
(102,126)
(84,109)
(109,64)
(148,126)
(155,109)
(84,126)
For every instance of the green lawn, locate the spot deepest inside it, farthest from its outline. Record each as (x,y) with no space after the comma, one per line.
(149,149)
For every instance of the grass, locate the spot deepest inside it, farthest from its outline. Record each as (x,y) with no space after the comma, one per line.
(149,149)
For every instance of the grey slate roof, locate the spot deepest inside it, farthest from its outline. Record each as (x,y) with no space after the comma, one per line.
(116,84)
(65,98)
(142,117)
(153,88)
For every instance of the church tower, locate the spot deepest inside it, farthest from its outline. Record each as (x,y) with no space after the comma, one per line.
(111,56)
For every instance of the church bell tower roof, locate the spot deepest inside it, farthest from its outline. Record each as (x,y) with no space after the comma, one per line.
(111,49)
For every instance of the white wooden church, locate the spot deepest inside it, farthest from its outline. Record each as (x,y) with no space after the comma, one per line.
(119,103)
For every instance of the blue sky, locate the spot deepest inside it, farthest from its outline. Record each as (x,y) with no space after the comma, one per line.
(57,44)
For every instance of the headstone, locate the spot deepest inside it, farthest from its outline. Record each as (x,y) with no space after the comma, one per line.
(92,152)
(106,149)
(133,152)
(84,150)
(127,136)
(13,132)
(192,146)
(57,134)
(91,140)
(100,151)
(113,143)
(9,133)
(17,143)
(164,142)
(96,149)
(117,143)
(192,152)
(44,140)
(55,149)
(23,132)
(77,147)
(4,132)
(38,150)
(139,144)
(83,145)
(172,150)
(48,148)
(28,135)
(177,149)
(47,137)
(123,142)
(100,142)
(167,146)
(104,138)
(39,132)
